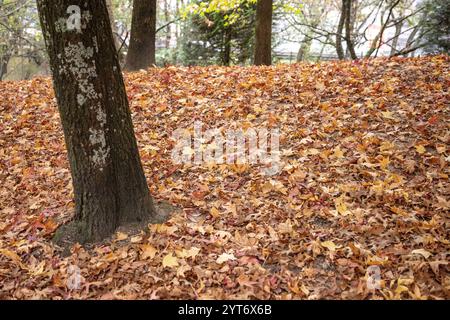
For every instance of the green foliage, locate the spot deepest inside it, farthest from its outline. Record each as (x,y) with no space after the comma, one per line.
(215,36)
(231,10)
(437,26)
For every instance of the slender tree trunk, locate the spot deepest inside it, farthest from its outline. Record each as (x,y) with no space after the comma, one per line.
(108,180)
(398,31)
(168,28)
(4,60)
(348,29)
(263,45)
(413,34)
(141,52)
(110,7)
(340,29)
(303,51)
(305,47)
(227,47)
(323,48)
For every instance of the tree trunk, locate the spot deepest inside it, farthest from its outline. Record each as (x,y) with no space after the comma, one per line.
(141,52)
(227,47)
(348,29)
(340,28)
(168,28)
(4,60)
(117,41)
(263,45)
(304,49)
(398,31)
(108,180)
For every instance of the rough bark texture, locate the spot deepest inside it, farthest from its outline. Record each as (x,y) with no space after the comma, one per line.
(263,44)
(141,52)
(226,59)
(340,29)
(109,183)
(348,29)
(4,60)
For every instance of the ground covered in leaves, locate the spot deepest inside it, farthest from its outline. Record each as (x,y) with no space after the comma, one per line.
(364,182)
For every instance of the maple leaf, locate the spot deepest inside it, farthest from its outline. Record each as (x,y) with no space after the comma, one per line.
(420,149)
(169,261)
(148,251)
(330,245)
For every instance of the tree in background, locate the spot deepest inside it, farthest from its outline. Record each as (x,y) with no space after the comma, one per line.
(141,51)
(109,184)
(220,35)
(21,47)
(437,26)
(263,36)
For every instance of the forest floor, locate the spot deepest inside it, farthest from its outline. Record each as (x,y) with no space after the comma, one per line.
(364,186)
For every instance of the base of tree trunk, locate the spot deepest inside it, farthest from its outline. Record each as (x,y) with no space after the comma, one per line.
(73,232)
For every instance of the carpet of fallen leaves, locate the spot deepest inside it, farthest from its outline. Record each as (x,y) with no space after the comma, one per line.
(365,182)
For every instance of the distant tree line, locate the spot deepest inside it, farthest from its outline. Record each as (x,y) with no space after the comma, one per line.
(242,32)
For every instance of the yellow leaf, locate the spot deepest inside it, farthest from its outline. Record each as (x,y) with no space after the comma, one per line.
(388,115)
(341,207)
(13,256)
(420,149)
(329,245)
(401,289)
(170,261)
(214,212)
(121,236)
(148,251)
(384,163)
(422,252)
(338,153)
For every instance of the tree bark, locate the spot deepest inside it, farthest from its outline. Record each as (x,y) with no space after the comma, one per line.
(4,60)
(398,31)
(110,188)
(340,29)
(141,52)
(263,45)
(227,47)
(348,30)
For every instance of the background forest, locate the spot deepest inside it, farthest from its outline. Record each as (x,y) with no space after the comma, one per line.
(197,32)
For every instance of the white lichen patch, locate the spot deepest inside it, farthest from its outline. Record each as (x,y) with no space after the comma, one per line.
(81,99)
(101,116)
(101,152)
(80,64)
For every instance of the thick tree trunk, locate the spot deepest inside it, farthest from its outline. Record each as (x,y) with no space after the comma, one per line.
(340,28)
(141,52)
(263,45)
(109,183)
(348,29)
